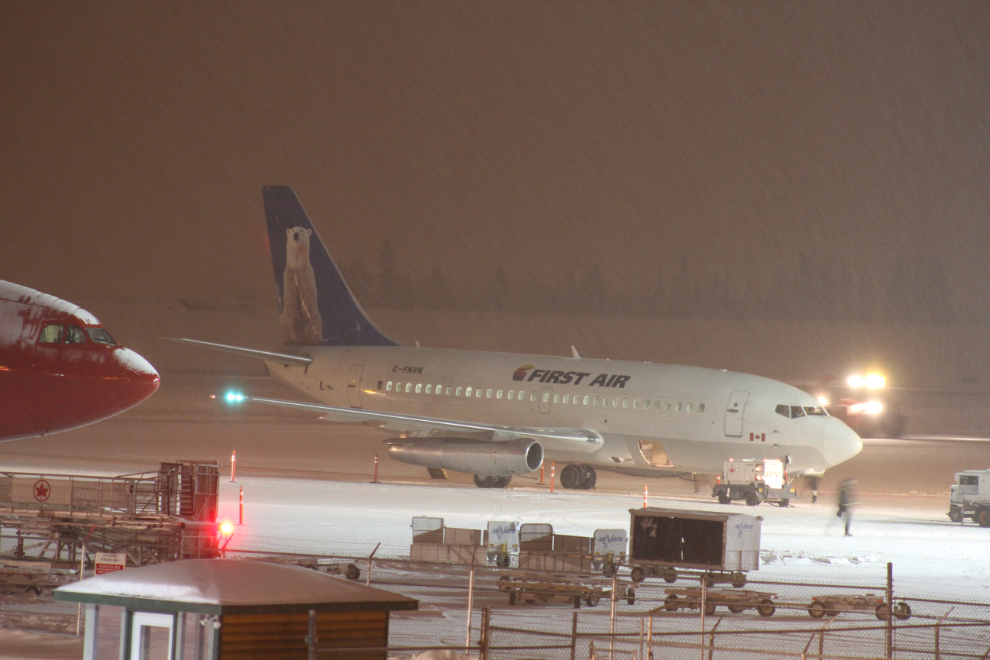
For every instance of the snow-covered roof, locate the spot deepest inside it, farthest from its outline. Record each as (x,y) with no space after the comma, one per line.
(224,585)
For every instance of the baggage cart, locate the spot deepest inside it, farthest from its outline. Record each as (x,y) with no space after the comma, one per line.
(542,588)
(735,600)
(833,604)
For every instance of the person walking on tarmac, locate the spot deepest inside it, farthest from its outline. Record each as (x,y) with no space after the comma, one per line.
(846,492)
(812,481)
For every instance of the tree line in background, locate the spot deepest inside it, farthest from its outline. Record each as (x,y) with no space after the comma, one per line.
(916,291)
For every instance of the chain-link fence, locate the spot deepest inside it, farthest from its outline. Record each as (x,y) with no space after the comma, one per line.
(516,614)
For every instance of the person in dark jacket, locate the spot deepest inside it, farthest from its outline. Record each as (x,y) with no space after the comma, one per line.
(846,493)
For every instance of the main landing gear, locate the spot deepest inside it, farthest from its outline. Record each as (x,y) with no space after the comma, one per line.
(491,482)
(578,477)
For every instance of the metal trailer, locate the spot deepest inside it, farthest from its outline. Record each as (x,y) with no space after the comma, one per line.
(735,600)
(533,588)
(969,497)
(664,542)
(832,604)
(753,482)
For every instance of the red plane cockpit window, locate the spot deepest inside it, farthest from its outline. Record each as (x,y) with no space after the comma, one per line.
(51,334)
(100,335)
(74,335)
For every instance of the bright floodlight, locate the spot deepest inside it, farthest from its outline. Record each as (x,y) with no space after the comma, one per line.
(875,381)
(234,397)
(823,401)
(855,381)
(874,407)
(226,528)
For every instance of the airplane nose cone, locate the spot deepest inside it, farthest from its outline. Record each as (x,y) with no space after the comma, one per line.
(839,442)
(137,379)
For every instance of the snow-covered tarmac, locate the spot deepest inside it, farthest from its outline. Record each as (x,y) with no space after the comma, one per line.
(932,558)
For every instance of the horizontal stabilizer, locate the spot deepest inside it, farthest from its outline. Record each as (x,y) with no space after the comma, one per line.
(285,358)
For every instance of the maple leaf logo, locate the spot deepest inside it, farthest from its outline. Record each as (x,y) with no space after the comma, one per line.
(42,490)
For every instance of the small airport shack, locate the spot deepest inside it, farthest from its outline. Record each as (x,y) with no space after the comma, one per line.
(230,609)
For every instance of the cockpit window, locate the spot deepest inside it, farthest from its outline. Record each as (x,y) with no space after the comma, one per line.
(815,410)
(74,335)
(783,410)
(102,336)
(797,411)
(51,334)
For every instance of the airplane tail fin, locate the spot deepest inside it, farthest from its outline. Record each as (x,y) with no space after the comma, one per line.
(315,304)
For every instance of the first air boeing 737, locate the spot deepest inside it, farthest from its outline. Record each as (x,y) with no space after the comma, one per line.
(495,415)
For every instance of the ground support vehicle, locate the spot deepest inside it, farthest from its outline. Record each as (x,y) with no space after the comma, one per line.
(832,605)
(718,547)
(754,482)
(537,588)
(670,575)
(969,497)
(735,600)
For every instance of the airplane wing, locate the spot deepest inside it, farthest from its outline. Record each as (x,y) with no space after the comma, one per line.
(565,439)
(284,358)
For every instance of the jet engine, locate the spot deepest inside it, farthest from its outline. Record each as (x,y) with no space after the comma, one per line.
(492,459)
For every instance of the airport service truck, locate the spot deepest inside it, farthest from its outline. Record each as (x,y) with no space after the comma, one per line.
(969,497)
(754,482)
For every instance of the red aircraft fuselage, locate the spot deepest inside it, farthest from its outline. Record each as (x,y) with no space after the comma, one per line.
(59,369)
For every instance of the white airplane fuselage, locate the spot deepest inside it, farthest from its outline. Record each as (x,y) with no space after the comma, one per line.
(652,419)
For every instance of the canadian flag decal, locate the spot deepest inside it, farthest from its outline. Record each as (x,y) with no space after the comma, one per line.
(762,437)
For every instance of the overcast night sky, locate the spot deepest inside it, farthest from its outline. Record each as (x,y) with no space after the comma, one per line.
(740,137)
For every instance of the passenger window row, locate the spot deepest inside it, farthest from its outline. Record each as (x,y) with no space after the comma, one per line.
(522,395)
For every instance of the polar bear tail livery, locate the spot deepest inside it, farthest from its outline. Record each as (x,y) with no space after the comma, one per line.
(315,304)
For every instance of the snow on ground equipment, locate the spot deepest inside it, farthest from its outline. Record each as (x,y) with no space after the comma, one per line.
(754,482)
(663,542)
(832,605)
(735,600)
(969,497)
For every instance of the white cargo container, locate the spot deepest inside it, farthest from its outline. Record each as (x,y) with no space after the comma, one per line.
(662,540)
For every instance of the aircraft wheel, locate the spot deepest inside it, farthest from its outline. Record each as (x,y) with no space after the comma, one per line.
(955,514)
(570,477)
(588,477)
(983,517)
(752,499)
(501,482)
(723,498)
(483,482)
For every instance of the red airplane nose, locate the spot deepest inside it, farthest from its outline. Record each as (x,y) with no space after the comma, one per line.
(137,379)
